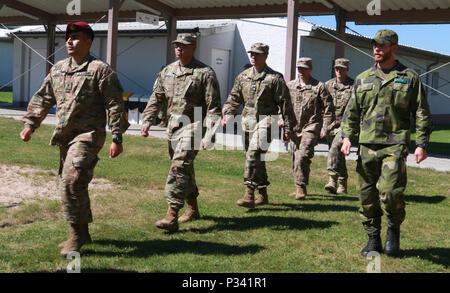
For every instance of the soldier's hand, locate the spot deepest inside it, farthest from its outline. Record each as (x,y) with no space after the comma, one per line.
(346,145)
(323,134)
(224,121)
(420,154)
(281,123)
(144,131)
(115,150)
(25,134)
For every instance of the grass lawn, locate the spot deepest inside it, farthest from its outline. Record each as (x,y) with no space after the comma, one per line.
(320,234)
(6,97)
(439,140)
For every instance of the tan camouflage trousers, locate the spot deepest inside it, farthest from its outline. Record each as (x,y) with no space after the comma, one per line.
(256,144)
(180,184)
(302,151)
(336,159)
(382,178)
(76,169)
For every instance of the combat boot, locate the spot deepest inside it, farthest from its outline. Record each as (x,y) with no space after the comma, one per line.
(374,244)
(263,198)
(392,245)
(85,236)
(191,212)
(301,192)
(342,186)
(331,185)
(248,201)
(75,240)
(170,221)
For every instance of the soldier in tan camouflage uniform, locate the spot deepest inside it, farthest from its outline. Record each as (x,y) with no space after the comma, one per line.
(191,91)
(263,93)
(383,99)
(82,88)
(340,88)
(314,110)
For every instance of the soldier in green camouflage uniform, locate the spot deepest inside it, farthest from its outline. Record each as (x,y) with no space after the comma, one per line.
(191,91)
(82,88)
(263,93)
(340,89)
(314,110)
(383,99)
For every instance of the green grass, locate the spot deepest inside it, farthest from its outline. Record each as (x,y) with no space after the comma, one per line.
(321,234)
(6,97)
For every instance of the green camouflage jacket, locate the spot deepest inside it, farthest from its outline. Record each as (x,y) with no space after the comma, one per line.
(313,106)
(186,88)
(263,94)
(82,95)
(341,93)
(383,107)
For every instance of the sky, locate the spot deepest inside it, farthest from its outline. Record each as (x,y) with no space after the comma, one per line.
(433,37)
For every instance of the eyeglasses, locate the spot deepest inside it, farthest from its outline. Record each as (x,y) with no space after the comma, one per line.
(179,46)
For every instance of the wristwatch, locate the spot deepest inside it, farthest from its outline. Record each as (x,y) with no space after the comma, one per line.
(117,139)
(423,145)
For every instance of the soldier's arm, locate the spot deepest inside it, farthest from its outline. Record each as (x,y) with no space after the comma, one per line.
(283,99)
(154,105)
(235,99)
(327,110)
(111,90)
(421,111)
(39,106)
(213,108)
(351,118)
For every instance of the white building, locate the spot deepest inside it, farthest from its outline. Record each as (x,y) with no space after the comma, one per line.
(223,45)
(6,55)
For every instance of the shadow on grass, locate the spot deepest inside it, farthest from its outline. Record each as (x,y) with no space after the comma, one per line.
(257,222)
(437,255)
(304,207)
(424,198)
(161,247)
(331,197)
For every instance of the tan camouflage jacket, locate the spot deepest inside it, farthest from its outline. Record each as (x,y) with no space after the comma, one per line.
(263,94)
(313,106)
(184,89)
(380,108)
(341,93)
(83,95)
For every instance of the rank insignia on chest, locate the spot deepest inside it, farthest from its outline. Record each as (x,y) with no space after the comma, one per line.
(68,87)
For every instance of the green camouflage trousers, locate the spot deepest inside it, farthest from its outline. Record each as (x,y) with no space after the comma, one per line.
(180,184)
(302,151)
(381,176)
(336,159)
(256,144)
(76,169)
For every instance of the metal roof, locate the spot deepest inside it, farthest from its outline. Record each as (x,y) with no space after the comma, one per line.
(393,11)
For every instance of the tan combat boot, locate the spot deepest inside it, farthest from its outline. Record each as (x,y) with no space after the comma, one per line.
(248,201)
(170,221)
(191,212)
(331,185)
(85,236)
(342,186)
(75,240)
(301,192)
(263,198)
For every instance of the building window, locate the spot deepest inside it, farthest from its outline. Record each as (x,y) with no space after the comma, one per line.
(435,82)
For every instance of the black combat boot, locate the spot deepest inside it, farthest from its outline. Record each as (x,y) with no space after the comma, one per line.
(374,244)
(392,245)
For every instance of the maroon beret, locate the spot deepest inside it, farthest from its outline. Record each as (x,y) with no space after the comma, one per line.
(78,27)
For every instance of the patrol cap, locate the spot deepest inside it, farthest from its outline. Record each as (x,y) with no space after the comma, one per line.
(79,26)
(341,62)
(186,38)
(304,62)
(384,36)
(260,48)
